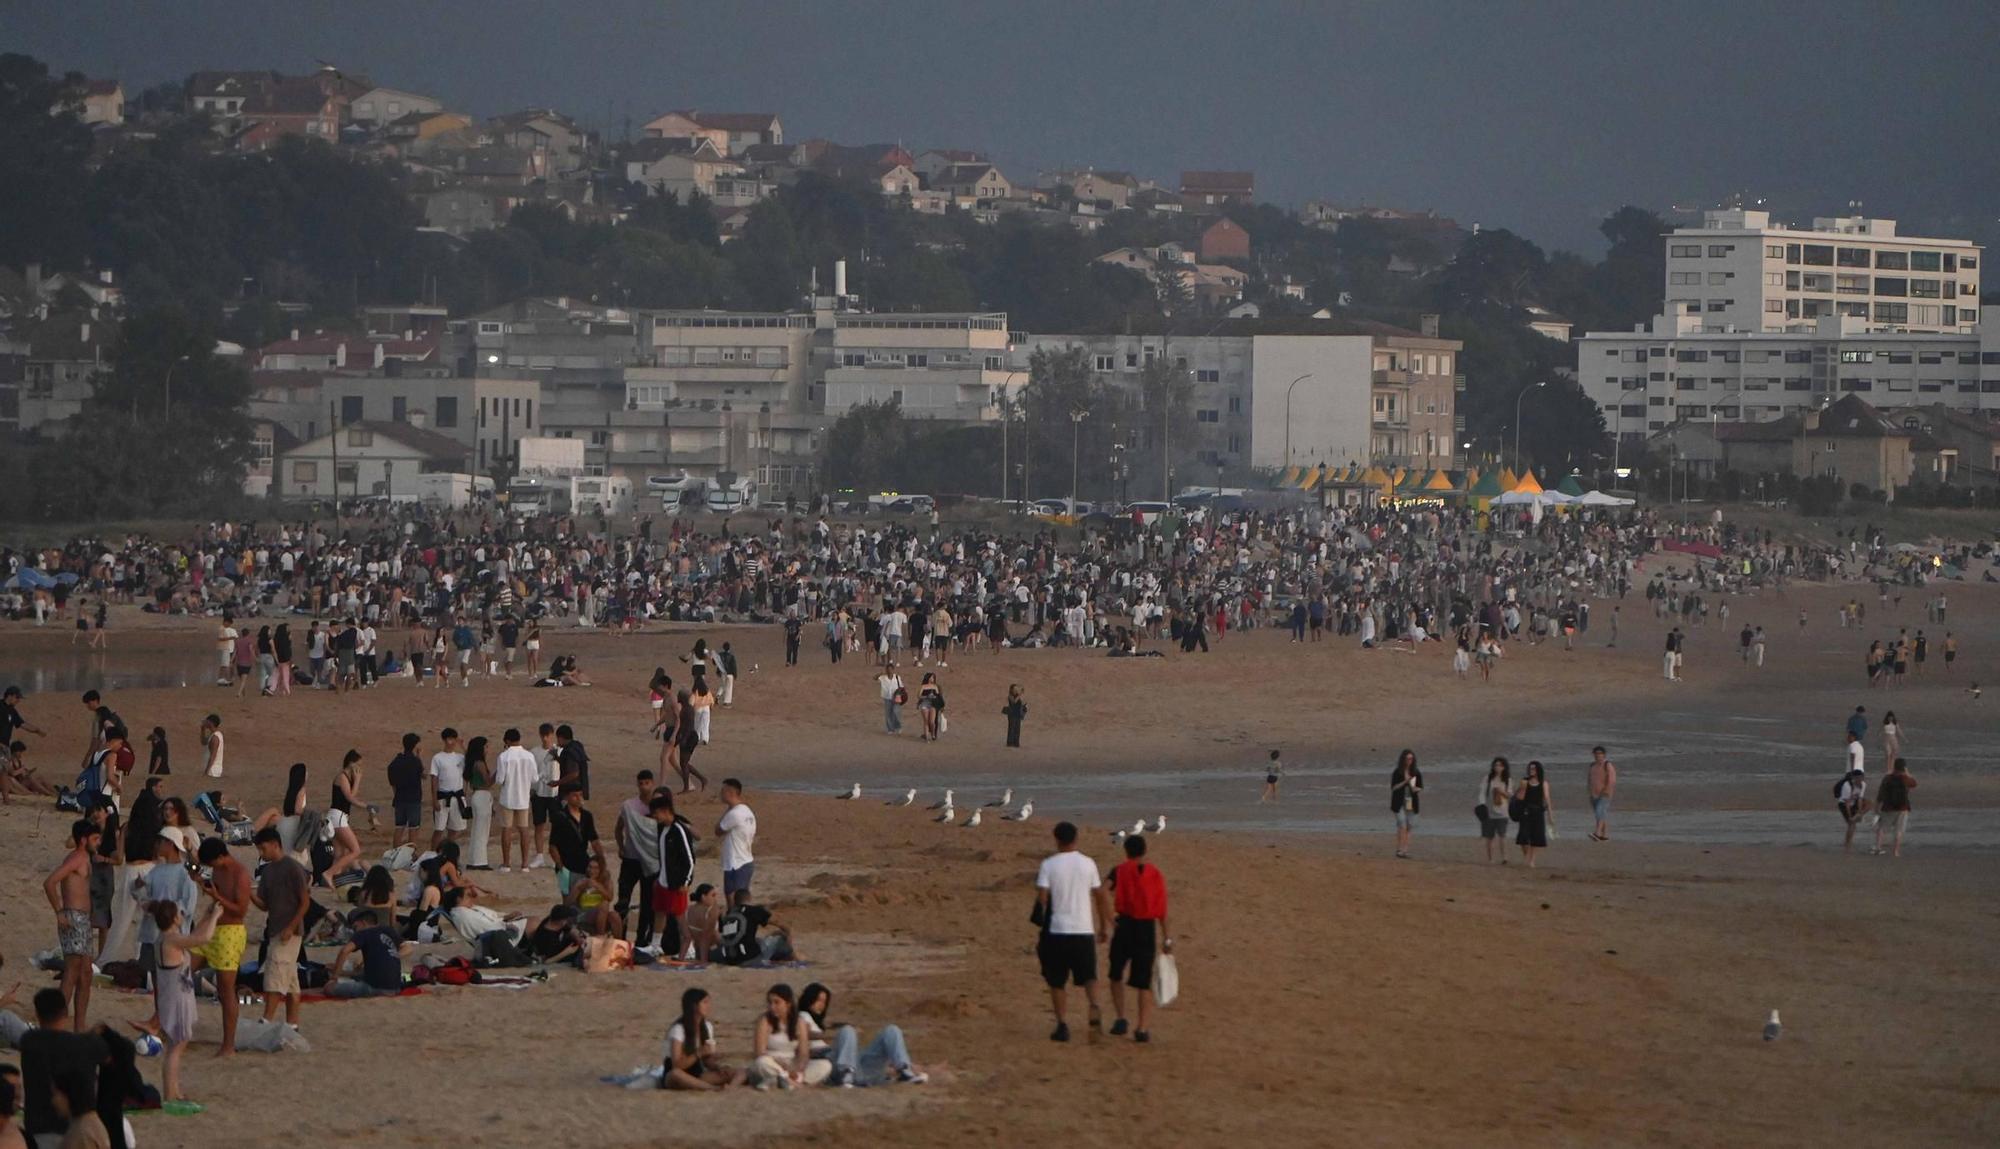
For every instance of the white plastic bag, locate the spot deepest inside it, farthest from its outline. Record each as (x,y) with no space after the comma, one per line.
(1166,980)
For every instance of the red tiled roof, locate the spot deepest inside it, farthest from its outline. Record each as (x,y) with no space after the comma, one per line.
(1218,181)
(734,121)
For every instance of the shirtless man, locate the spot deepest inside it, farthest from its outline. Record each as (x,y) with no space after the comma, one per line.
(229,884)
(68,890)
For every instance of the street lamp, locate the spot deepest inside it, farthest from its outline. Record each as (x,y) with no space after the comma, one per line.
(167,404)
(1517,420)
(1288,415)
(1076,419)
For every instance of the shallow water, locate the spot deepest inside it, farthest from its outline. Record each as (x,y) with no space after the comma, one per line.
(78,669)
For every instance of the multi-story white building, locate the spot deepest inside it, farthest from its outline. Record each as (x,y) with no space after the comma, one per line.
(743,358)
(934,366)
(1678,369)
(1740,272)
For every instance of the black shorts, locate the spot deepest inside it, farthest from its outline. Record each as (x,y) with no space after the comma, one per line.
(1066,958)
(409,815)
(539,808)
(1133,941)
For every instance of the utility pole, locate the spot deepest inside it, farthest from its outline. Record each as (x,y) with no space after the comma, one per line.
(333,421)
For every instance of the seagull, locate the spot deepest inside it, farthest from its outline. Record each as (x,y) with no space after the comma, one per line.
(1773,1027)
(1159,824)
(974,820)
(909,796)
(944,805)
(1006,800)
(947,816)
(851,794)
(1021,815)
(1118,836)
(1138,827)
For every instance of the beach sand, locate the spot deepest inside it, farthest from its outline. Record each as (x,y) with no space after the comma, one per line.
(1331,994)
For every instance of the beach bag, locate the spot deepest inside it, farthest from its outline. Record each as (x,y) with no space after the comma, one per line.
(1515,808)
(1166,980)
(312,974)
(1480,812)
(457,971)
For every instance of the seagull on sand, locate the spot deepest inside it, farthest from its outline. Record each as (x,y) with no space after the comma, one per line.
(947,815)
(1138,828)
(909,796)
(1006,800)
(944,805)
(974,820)
(1021,815)
(1118,836)
(1159,824)
(851,794)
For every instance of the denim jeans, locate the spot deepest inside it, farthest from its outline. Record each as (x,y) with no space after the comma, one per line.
(873,1065)
(892,718)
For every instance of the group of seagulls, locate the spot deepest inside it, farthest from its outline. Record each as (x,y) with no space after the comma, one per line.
(946,811)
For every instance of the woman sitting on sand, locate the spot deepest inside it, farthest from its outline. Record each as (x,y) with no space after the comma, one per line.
(702,924)
(886,1058)
(781,1049)
(592,896)
(691,1061)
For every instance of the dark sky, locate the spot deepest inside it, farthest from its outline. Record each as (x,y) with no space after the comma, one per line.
(1536,116)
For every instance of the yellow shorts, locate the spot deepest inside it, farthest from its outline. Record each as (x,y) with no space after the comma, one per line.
(224,951)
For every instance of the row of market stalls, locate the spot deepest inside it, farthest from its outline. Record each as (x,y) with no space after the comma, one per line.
(1356,485)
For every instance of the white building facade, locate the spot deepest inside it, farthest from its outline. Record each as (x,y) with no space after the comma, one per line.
(1677,369)
(934,366)
(1740,272)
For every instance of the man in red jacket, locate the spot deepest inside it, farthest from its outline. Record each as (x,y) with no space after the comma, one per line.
(1139,898)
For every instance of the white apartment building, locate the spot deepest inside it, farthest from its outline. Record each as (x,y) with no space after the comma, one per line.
(1679,369)
(746,359)
(934,366)
(1740,272)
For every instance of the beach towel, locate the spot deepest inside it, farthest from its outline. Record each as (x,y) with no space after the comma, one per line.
(406,991)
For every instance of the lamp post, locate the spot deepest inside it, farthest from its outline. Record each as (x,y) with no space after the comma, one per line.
(167,405)
(1288,415)
(1076,419)
(1517,420)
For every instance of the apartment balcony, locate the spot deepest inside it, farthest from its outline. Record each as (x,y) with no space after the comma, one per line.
(1392,375)
(1388,421)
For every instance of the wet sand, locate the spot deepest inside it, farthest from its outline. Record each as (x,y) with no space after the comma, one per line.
(1332,993)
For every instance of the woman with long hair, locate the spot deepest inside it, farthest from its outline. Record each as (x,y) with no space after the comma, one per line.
(689,741)
(174,819)
(173,984)
(1494,793)
(339,816)
(667,728)
(691,1061)
(479,785)
(781,1051)
(930,705)
(1406,788)
(702,702)
(267,663)
(1892,739)
(659,692)
(1538,813)
(885,1059)
(281,652)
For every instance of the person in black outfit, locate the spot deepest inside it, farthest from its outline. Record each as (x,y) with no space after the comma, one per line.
(792,628)
(1015,710)
(48,1053)
(573,760)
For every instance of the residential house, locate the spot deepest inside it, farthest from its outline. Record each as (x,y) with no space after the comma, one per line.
(1968,442)
(1760,448)
(1156,201)
(292,106)
(65,354)
(898,180)
(409,320)
(414,127)
(460,211)
(730,132)
(1548,324)
(972,184)
(224,94)
(1207,193)
(1213,285)
(487,415)
(103,103)
(1851,441)
(334,351)
(863,162)
(559,143)
(379,106)
(13,373)
(268,440)
(1225,239)
(362,460)
(928,164)
(1108,190)
(678,165)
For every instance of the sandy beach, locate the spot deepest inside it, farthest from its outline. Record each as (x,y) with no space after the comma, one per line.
(1332,993)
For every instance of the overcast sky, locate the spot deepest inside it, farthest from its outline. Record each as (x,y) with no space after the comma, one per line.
(1536,116)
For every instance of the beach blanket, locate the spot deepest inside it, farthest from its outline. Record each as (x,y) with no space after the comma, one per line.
(489,981)
(407,991)
(697,967)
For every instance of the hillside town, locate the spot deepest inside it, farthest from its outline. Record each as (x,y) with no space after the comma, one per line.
(1774,353)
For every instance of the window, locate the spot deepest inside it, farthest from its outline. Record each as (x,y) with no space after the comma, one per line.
(528,413)
(1695,411)
(1683,278)
(1792,253)
(447,411)
(1774,279)
(1799,355)
(1897,356)
(347,473)
(1885,285)
(1851,285)
(359,438)
(1857,356)
(1892,313)
(1798,383)
(1758,384)
(1774,305)
(853,359)
(1926,289)
(1235,443)
(399,409)
(1719,305)
(1968,262)
(1236,404)
(1719,250)
(1899,384)
(1774,251)
(304,471)
(1933,386)
(1106,362)
(1927,261)
(1857,385)
(1933,357)
(1851,257)
(1893,260)
(1208,415)
(914,359)
(489,327)
(1131,360)
(1818,255)
(1657,401)
(350,409)
(1632,383)
(1685,250)
(1690,383)
(1210,376)
(1691,356)
(1728,356)
(1632,411)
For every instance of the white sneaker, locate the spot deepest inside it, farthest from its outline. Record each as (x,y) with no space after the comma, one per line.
(506,869)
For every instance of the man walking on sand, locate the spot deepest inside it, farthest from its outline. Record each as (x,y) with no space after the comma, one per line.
(68,890)
(1070,907)
(1140,899)
(1603,784)
(1892,806)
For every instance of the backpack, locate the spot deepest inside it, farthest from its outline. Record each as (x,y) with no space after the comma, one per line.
(457,971)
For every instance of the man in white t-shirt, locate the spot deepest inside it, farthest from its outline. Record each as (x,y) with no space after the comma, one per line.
(737,829)
(364,652)
(543,801)
(448,800)
(225,648)
(1856,755)
(514,778)
(1070,902)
